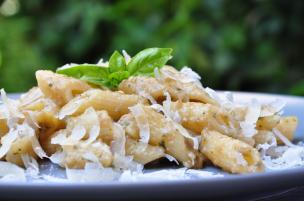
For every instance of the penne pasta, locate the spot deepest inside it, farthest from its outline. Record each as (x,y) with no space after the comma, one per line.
(61,89)
(115,103)
(230,154)
(143,153)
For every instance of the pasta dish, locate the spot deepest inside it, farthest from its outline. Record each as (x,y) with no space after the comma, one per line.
(127,112)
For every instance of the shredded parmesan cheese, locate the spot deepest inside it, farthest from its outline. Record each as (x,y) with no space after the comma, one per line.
(7,141)
(142,122)
(31,165)
(171,158)
(58,157)
(118,144)
(92,173)
(282,138)
(272,108)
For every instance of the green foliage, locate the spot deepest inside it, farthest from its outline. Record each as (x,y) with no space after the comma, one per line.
(232,44)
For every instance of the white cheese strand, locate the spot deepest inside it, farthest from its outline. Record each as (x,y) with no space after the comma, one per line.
(7,141)
(142,122)
(94,133)
(92,173)
(283,138)
(119,142)
(31,165)
(171,158)
(58,157)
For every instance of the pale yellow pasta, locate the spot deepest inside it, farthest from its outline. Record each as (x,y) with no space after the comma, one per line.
(22,145)
(58,87)
(3,127)
(230,154)
(85,146)
(143,153)
(76,155)
(43,112)
(115,103)
(267,123)
(287,127)
(106,127)
(194,116)
(48,125)
(197,116)
(163,132)
(179,90)
(263,136)
(181,148)
(142,85)
(158,125)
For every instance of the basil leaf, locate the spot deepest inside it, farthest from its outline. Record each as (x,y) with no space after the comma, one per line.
(87,72)
(144,62)
(116,77)
(117,62)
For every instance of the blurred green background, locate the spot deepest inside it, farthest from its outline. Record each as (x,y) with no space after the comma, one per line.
(235,45)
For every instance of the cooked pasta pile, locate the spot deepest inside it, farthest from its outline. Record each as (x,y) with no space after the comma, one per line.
(76,122)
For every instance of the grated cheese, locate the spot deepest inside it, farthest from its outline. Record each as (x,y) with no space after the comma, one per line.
(142,122)
(272,108)
(7,141)
(118,144)
(31,165)
(92,173)
(171,158)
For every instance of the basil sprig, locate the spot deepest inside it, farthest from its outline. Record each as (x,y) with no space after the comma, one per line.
(143,63)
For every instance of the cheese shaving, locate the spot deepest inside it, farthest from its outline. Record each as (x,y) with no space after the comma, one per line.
(69,109)
(11,105)
(174,118)
(171,158)
(291,157)
(126,163)
(92,173)
(31,165)
(118,144)
(168,175)
(78,133)
(190,76)
(58,157)
(213,94)
(252,115)
(94,133)
(272,108)
(167,109)
(7,141)
(91,157)
(37,147)
(282,138)
(147,96)
(142,122)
